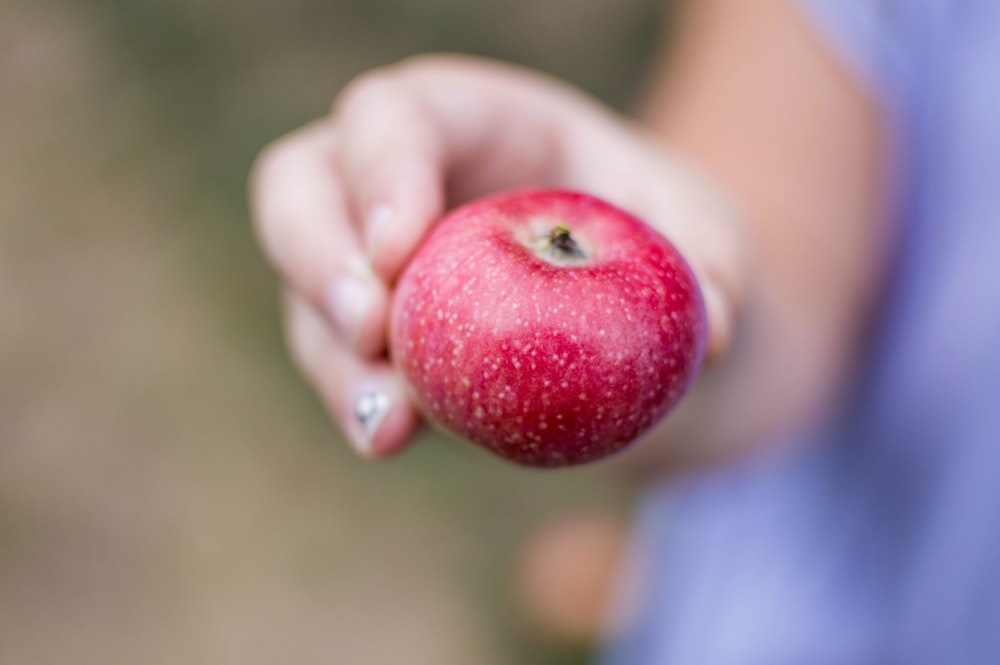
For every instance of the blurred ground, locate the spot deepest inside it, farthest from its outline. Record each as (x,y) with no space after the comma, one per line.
(169,491)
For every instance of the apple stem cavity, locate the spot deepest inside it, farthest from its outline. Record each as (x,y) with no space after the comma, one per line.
(557,246)
(562,245)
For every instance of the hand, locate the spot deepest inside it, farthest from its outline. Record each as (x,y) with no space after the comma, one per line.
(341,204)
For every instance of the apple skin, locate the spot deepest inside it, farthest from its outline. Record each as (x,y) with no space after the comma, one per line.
(544,354)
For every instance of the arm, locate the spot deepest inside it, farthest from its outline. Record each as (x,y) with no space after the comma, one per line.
(752,96)
(340,206)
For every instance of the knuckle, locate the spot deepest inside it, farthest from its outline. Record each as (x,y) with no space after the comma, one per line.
(300,337)
(415,66)
(269,161)
(419,66)
(372,87)
(272,202)
(266,174)
(266,167)
(391,82)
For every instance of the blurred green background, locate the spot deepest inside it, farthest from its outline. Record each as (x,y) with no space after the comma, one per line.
(170,492)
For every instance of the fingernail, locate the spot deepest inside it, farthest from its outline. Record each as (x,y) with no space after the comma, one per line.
(370,409)
(348,301)
(376,225)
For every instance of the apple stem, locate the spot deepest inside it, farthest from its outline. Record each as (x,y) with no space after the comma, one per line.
(562,244)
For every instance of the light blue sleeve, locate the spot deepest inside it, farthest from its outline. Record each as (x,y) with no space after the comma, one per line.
(874,39)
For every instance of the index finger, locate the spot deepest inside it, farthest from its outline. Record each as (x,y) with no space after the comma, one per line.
(302,219)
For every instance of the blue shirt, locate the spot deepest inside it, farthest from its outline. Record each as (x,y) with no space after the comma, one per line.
(876,541)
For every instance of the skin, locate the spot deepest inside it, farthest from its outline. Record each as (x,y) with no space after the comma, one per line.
(776,207)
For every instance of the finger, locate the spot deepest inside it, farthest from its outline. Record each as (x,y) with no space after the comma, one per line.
(393,162)
(302,220)
(366,399)
(439,130)
(706,228)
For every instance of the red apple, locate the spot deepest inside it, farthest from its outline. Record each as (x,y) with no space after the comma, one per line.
(548,327)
